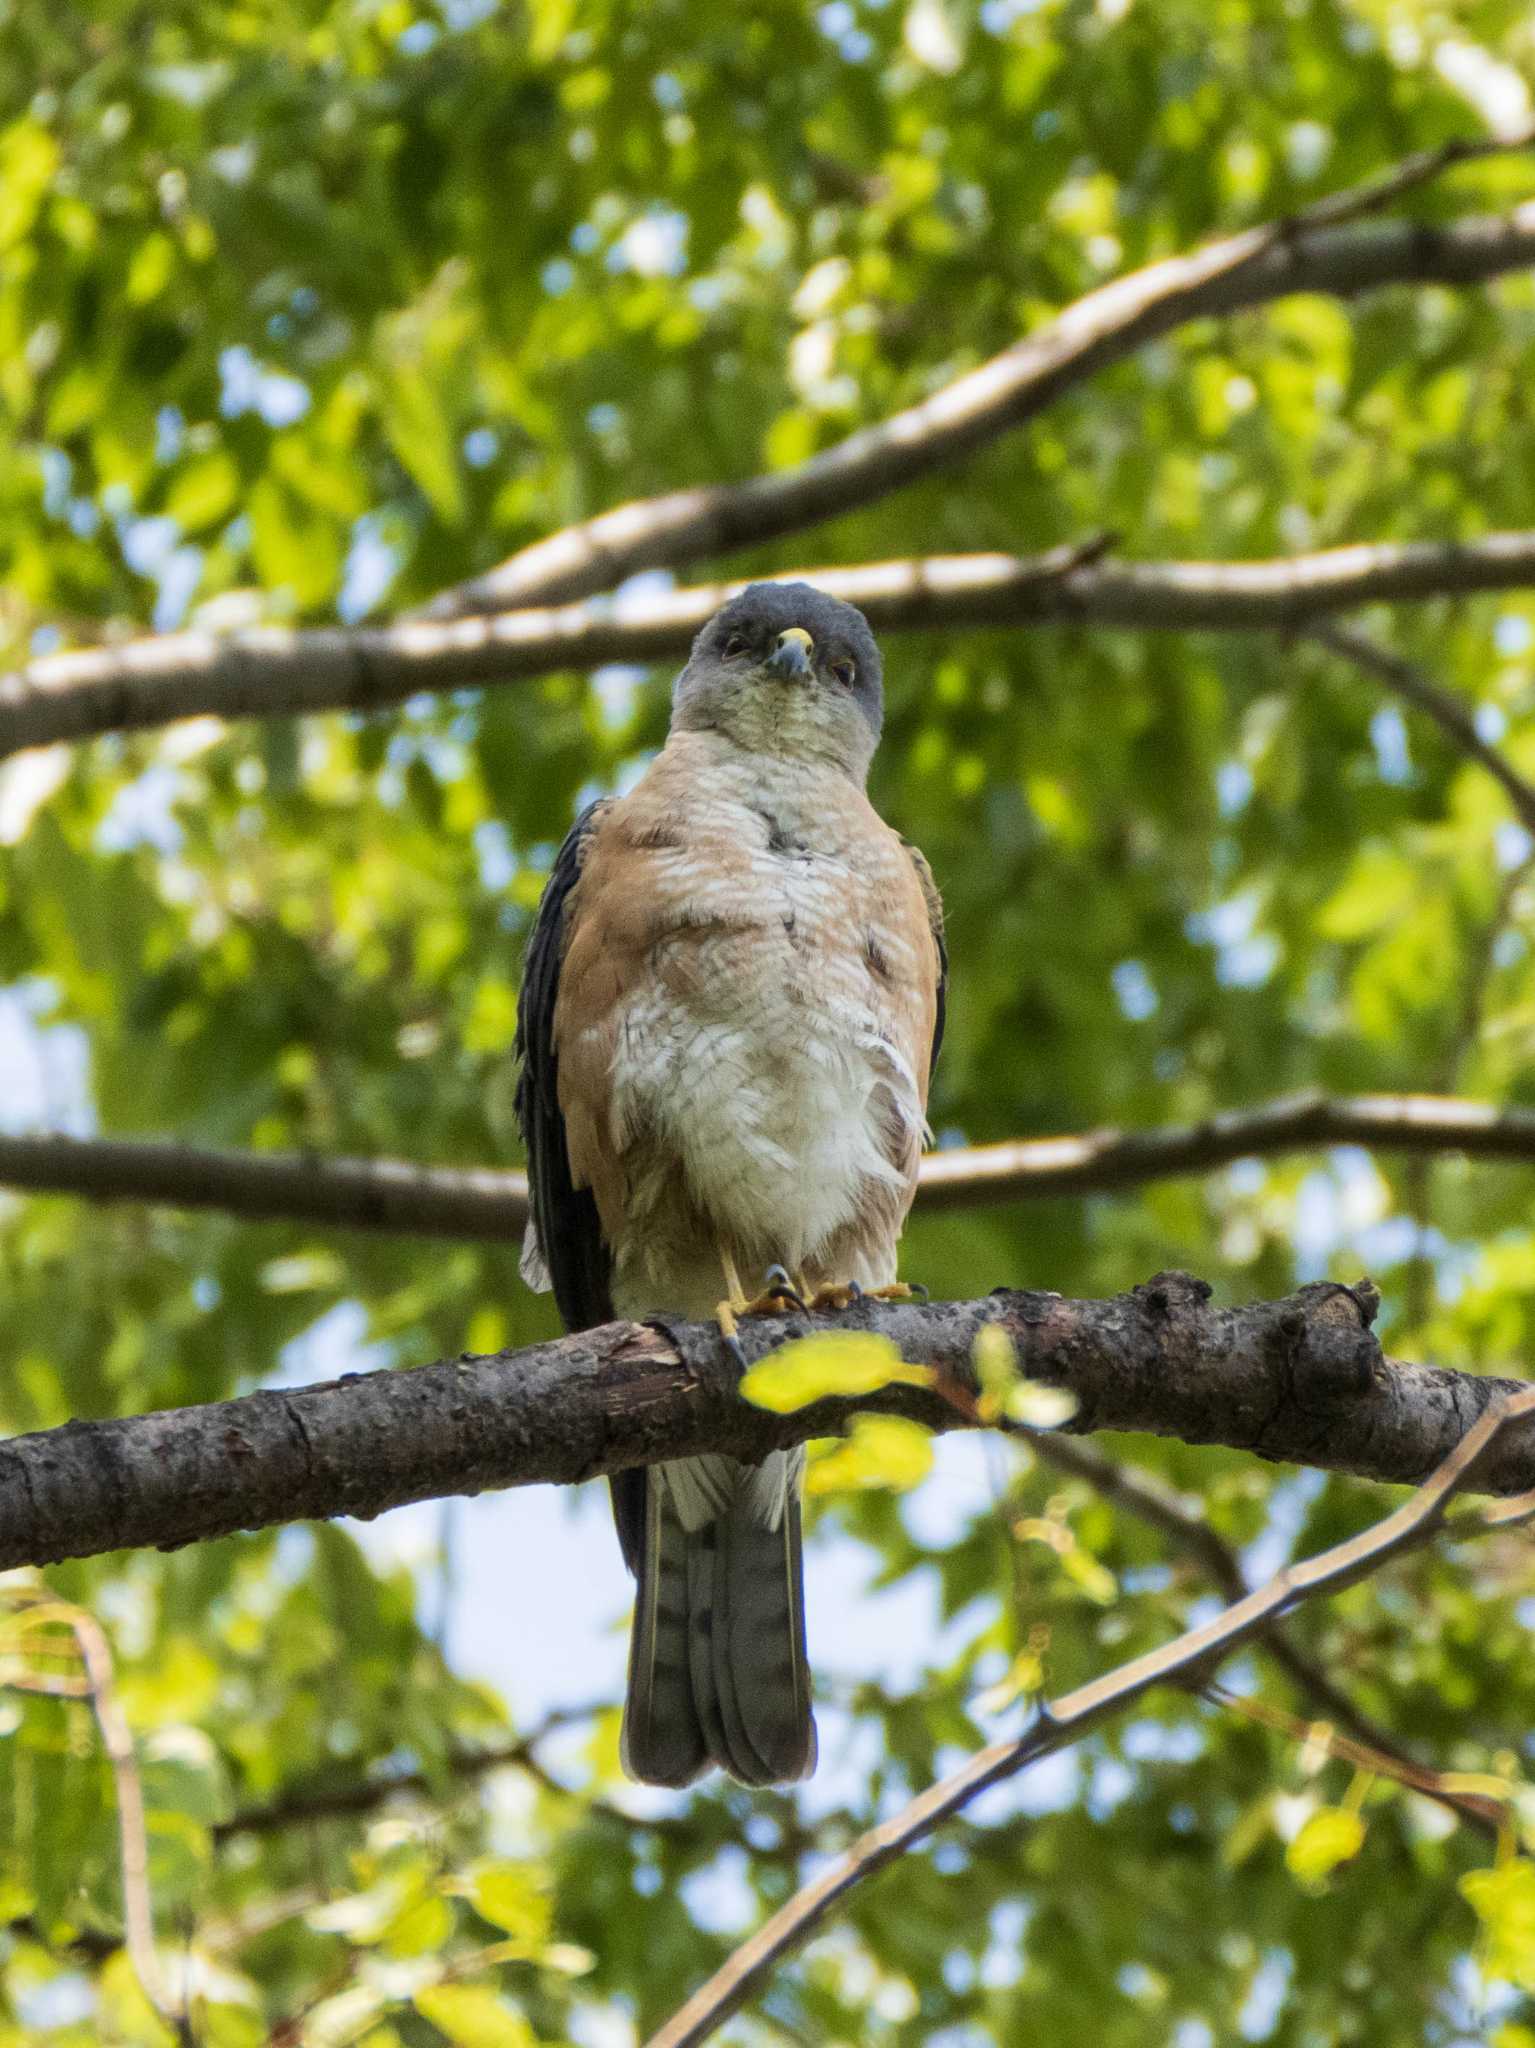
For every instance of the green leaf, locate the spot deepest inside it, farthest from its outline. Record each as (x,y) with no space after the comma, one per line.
(1330,1836)
(879,1451)
(511,1897)
(814,1368)
(1005,1391)
(204,492)
(472,2016)
(1503,1899)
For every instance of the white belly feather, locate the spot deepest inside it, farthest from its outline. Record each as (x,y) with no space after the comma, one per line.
(764,1076)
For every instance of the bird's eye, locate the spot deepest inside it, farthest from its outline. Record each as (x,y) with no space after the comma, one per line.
(845,673)
(735,645)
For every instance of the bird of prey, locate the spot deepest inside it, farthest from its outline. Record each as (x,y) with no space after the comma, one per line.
(731,1006)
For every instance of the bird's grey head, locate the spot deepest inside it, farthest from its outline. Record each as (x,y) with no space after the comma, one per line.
(783,669)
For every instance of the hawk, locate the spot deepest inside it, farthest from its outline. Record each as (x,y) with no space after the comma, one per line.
(731,1007)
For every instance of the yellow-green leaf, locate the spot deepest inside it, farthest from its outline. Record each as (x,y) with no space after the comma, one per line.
(507,1895)
(813,1368)
(996,1369)
(1331,1836)
(879,1450)
(473,2016)
(204,491)
(1091,1575)
(1504,1901)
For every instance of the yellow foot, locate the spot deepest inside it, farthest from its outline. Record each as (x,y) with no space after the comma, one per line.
(898,1290)
(778,1298)
(844,1294)
(833,1295)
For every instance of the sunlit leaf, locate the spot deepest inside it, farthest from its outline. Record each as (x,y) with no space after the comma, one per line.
(814,1368)
(1503,1900)
(879,1451)
(1328,1837)
(473,2016)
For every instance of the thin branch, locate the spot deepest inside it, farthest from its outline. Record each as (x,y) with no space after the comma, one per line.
(1415,686)
(100,1688)
(350,1194)
(1301,1379)
(304,1804)
(490,1205)
(275,672)
(1315,253)
(1092,1162)
(1066,1720)
(1486,1813)
(1476,983)
(1143,1495)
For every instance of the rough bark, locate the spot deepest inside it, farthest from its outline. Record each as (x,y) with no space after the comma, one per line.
(274,672)
(1300,1379)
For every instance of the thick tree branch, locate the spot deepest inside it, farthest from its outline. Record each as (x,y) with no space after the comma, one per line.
(1064,1721)
(349,1194)
(491,1204)
(1239,272)
(277,672)
(1301,1380)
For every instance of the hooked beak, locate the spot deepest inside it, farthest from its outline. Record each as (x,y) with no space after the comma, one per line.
(791,657)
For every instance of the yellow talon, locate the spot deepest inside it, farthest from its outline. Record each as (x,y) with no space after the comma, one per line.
(842,1294)
(833,1295)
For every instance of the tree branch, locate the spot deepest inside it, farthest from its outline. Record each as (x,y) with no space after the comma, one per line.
(302,1805)
(36,1610)
(1064,1721)
(1405,679)
(1146,1497)
(275,672)
(490,1204)
(1244,270)
(1300,1379)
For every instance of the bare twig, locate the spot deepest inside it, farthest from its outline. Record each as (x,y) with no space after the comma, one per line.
(277,672)
(302,1805)
(1413,171)
(1413,684)
(1300,1379)
(117,1741)
(1485,1813)
(1144,1496)
(491,1204)
(1066,1720)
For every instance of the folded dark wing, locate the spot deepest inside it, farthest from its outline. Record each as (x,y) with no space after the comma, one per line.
(565,1225)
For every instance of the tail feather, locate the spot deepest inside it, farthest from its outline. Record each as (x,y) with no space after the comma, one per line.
(726,1681)
(663,1743)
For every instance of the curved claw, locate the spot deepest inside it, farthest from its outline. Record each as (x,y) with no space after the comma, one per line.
(777,1286)
(733,1346)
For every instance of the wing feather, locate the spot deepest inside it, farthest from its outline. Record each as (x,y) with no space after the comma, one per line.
(934,903)
(565,1247)
(565,1233)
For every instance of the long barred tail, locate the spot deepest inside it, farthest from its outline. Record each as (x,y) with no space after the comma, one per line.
(717,1665)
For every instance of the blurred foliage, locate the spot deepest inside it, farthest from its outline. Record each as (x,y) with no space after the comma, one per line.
(310,307)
